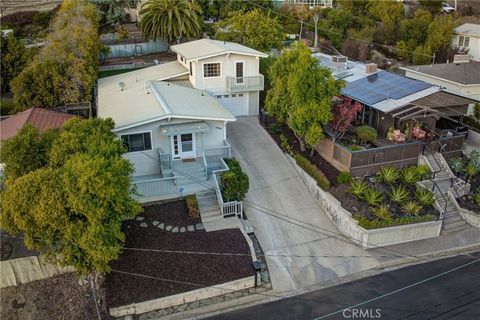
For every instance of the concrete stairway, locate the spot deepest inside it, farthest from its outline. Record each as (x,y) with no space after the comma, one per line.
(438,166)
(452,221)
(208,205)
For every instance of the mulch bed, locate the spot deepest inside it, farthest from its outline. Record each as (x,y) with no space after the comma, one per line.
(198,270)
(328,170)
(59,297)
(468,201)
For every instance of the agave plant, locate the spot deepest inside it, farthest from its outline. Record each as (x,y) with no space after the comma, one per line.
(399,195)
(409,175)
(477,197)
(358,188)
(424,196)
(411,207)
(388,174)
(470,170)
(372,196)
(475,157)
(457,165)
(423,171)
(381,212)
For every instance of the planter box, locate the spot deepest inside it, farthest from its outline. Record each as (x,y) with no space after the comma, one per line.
(347,225)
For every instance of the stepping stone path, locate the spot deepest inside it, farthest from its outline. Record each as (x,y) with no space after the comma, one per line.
(183,229)
(168,228)
(161,226)
(143,225)
(191,228)
(140,218)
(155,223)
(175,230)
(199,226)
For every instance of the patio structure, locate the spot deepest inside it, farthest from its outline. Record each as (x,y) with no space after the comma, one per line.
(411,118)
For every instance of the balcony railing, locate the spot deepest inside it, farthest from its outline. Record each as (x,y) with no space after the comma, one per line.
(245,84)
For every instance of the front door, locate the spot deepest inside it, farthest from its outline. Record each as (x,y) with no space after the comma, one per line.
(183,145)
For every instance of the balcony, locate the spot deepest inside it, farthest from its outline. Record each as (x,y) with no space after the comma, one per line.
(244,84)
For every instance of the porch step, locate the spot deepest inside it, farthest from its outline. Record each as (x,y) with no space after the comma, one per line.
(208,205)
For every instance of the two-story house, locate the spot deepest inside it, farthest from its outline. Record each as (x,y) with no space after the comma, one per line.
(467,39)
(176,113)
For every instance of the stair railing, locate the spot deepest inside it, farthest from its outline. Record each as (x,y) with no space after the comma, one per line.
(454,186)
(425,146)
(435,185)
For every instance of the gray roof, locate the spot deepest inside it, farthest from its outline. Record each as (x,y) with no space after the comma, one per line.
(463,73)
(469,29)
(205,48)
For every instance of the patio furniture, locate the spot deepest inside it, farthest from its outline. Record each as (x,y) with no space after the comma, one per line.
(397,136)
(418,133)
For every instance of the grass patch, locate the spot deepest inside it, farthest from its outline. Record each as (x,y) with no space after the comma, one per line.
(109,73)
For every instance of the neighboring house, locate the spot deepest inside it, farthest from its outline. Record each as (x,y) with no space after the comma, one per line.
(227,70)
(393,102)
(459,78)
(310,3)
(40,118)
(467,39)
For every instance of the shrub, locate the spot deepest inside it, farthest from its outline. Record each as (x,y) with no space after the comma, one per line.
(366,133)
(376,224)
(313,171)
(471,170)
(192,205)
(372,196)
(234,182)
(412,208)
(457,165)
(275,128)
(381,212)
(399,195)
(409,175)
(388,174)
(358,188)
(6,107)
(344,177)
(354,147)
(423,171)
(285,145)
(424,196)
(477,197)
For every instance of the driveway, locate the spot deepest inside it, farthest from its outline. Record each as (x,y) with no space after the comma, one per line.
(284,215)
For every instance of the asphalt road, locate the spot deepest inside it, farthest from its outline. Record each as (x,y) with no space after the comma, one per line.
(443,289)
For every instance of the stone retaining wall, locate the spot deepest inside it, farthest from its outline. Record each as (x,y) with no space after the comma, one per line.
(347,225)
(471,217)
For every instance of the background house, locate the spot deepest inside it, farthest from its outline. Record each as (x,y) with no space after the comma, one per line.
(467,38)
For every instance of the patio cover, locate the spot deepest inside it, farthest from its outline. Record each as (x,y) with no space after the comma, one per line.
(188,127)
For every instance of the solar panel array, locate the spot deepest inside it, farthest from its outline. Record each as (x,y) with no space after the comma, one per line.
(381,86)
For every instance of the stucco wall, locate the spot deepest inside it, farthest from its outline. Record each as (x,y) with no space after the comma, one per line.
(374,238)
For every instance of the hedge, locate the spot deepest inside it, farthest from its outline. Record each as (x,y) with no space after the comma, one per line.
(234,182)
(313,171)
(376,224)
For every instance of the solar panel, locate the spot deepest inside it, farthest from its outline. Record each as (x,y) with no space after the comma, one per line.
(383,85)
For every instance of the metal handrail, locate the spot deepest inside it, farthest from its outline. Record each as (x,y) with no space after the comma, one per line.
(442,214)
(454,187)
(425,146)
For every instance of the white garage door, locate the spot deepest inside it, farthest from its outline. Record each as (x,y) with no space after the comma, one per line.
(235,103)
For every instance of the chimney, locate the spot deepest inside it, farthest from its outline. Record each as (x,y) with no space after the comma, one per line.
(371,68)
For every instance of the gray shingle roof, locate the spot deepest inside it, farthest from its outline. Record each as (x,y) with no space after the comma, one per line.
(469,29)
(203,48)
(463,73)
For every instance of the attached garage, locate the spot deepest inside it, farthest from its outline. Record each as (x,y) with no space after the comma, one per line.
(237,104)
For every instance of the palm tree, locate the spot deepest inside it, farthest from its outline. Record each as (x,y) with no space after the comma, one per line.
(170,19)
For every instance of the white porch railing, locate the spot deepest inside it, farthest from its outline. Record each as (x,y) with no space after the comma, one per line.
(165,161)
(226,208)
(153,188)
(211,157)
(243,84)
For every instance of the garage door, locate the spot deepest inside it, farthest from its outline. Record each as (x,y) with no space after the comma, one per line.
(237,104)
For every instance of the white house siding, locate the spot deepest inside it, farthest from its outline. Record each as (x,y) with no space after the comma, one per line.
(253,102)
(474,46)
(147,162)
(237,104)
(472,91)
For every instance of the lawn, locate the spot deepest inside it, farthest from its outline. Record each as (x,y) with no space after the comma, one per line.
(108,73)
(194,271)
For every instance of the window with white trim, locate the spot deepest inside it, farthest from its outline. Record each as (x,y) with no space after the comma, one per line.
(463,41)
(211,70)
(137,142)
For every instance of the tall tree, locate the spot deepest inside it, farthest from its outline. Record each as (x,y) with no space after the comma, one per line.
(440,33)
(243,28)
(388,12)
(301,94)
(71,201)
(344,112)
(433,6)
(113,11)
(316,13)
(170,19)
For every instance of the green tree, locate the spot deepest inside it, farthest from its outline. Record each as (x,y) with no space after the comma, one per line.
(70,205)
(433,6)
(301,94)
(440,33)
(14,59)
(334,25)
(65,70)
(113,11)
(316,13)
(422,55)
(243,28)
(357,7)
(388,12)
(170,19)
(228,7)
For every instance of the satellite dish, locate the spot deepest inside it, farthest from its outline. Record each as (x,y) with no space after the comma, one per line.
(121,84)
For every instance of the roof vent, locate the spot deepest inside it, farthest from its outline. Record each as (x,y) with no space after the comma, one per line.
(339,63)
(122,85)
(371,68)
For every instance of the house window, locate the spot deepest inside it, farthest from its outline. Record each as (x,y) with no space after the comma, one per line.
(218,97)
(137,141)
(234,95)
(191,69)
(463,41)
(240,94)
(211,70)
(225,96)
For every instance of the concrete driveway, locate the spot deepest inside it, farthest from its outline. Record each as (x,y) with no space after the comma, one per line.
(298,255)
